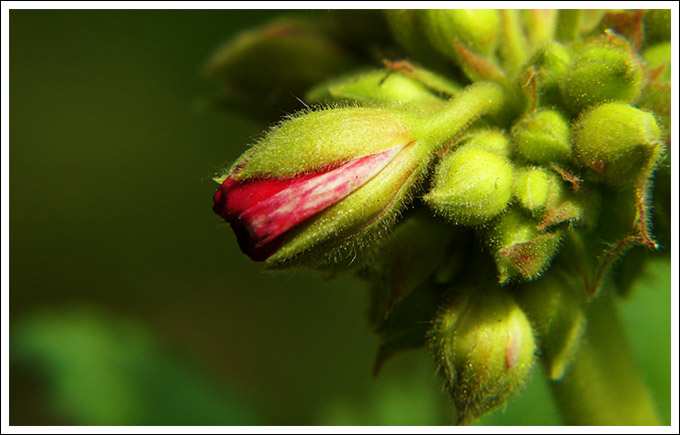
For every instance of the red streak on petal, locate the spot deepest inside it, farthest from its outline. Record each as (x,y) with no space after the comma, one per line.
(261,211)
(512,348)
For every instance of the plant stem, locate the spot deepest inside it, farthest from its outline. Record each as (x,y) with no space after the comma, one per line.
(466,107)
(604,385)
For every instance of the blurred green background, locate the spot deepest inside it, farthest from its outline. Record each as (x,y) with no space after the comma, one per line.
(131,302)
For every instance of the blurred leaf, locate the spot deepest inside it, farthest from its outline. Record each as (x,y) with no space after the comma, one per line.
(103,370)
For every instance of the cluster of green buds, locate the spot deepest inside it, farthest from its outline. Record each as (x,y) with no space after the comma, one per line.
(482,170)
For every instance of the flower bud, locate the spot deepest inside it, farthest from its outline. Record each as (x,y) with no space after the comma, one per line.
(555,306)
(484,346)
(322,178)
(471,185)
(543,137)
(407,30)
(491,139)
(616,141)
(602,69)
(472,30)
(533,188)
(377,86)
(520,249)
(269,65)
(551,63)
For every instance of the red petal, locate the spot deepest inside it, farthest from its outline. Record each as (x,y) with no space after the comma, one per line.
(262,211)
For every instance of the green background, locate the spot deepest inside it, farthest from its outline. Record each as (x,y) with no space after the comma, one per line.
(130,301)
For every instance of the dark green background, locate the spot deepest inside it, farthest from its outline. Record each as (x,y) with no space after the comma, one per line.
(130,301)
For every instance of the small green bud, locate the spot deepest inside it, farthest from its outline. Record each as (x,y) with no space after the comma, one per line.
(551,63)
(555,307)
(377,86)
(484,346)
(520,249)
(471,185)
(543,137)
(616,141)
(602,69)
(491,139)
(533,187)
(269,65)
(475,29)
(407,30)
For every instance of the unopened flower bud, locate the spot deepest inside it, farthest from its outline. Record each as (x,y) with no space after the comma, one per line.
(616,141)
(543,137)
(520,249)
(555,306)
(484,346)
(475,29)
(533,188)
(550,63)
(407,30)
(269,65)
(491,139)
(471,185)
(601,70)
(322,178)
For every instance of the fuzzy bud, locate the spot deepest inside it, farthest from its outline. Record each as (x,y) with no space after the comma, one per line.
(269,65)
(616,141)
(533,188)
(550,63)
(322,178)
(601,70)
(543,137)
(520,249)
(491,139)
(476,30)
(484,346)
(472,185)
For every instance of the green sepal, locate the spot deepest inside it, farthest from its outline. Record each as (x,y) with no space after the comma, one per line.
(313,140)
(381,85)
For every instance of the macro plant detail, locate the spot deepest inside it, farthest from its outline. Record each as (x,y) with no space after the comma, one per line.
(486,172)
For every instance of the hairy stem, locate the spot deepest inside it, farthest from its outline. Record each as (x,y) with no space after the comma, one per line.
(466,107)
(604,385)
